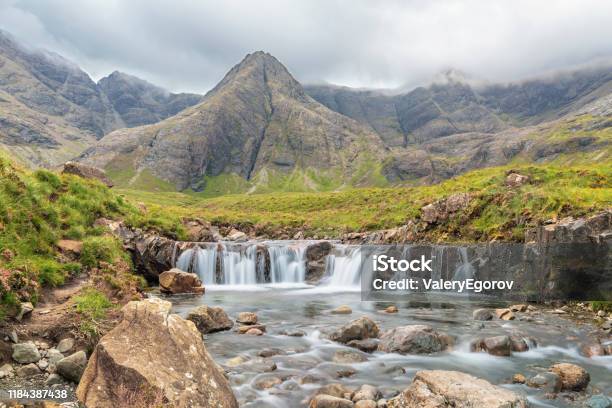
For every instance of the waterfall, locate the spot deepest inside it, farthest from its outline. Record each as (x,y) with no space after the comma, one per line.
(284,263)
(464,269)
(201,261)
(287,263)
(184,260)
(344,267)
(239,264)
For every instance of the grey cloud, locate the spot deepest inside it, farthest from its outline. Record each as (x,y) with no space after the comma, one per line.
(189,45)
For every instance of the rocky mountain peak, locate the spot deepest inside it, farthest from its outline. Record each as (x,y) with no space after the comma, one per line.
(262,70)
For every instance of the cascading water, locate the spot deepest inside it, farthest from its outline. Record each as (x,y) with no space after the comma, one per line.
(287,263)
(284,262)
(245,264)
(238,264)
(200,260)
(344,267)
(464,269)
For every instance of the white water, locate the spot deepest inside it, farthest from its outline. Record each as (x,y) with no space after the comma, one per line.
(232,265)
(344,267)
(287,263)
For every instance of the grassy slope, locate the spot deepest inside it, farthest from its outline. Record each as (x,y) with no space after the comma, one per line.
(39,208)
(496,212)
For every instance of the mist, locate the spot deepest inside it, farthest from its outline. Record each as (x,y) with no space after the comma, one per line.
(188,46)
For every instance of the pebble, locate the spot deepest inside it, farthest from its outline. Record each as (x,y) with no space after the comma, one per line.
(344,309)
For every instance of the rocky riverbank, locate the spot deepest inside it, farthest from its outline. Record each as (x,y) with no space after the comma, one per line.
(327,355)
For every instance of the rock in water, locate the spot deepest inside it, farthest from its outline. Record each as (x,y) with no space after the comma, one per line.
(414,339)
(442,389)
(573,377)
(328,401)
(152,353)
(247,318)
(496,346)
(176,281)
(344,309)
(482,314)
(210,319)
(358,329)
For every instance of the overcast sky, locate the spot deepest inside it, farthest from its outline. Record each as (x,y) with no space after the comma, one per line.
(189,45)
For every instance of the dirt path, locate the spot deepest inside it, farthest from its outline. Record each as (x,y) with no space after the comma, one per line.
(49,319)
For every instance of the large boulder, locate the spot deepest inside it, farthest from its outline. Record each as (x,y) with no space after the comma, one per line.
(413,339)
(87,172)
(210,319)
(153,354)
(443,389)
(176,281)
(358,329)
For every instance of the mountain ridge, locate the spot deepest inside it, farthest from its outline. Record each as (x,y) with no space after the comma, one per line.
(51,110)
(260,130)
(261,124)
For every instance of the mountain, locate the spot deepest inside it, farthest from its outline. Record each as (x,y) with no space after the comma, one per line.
(51,110)
(139,102)
(256,129)
(452,106)
(452,126)
(260,130)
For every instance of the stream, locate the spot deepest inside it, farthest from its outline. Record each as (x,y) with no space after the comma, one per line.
(235,280)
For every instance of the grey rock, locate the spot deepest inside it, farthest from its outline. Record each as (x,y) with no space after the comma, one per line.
(25,310)
(482,314)
(358,329)
(328,401)
(414,339)
(28,370)
(65,345)
(210,319)
(54,379)
(26,353)
(348,357)
(72,367)
(548,382)
(54,356)
(599,401)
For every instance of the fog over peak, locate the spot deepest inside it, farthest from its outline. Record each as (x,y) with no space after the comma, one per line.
(189,46)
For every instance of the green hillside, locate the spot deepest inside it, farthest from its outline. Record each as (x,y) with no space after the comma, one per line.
(496,210)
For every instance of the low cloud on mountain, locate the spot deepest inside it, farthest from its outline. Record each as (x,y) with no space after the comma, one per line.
(187,46)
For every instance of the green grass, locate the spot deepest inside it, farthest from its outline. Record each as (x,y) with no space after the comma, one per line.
(93,306)
(496,211)
(101,249)
(39,208)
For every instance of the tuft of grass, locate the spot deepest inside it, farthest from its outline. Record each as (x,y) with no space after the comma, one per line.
(606,306)
(100,249)
(93,306)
